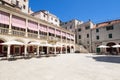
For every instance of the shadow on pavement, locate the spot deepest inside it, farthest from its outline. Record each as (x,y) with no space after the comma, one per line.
(111,59)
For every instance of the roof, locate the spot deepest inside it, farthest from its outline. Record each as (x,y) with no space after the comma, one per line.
(107,23)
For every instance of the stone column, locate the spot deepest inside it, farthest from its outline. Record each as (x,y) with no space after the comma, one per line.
(55,50)
(37,50)
(70,48)
(74,44)
(8,52)
(55,42)
(25,50)
(38,31)
(10,26)
(47,50)
(26,30)
(61,42)
(47,34)
(66,44)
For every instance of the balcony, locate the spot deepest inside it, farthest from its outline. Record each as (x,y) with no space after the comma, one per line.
(72,42)
(64,40)
(32,35)
(68,41)
(58,39)
(43,37)
(18,33)
(4,31)
(52,38)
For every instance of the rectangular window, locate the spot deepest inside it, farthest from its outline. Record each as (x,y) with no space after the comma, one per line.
(51,18)
(71,27)
(55,20)
(97,30)
(79,29)
(87,35)
(97,37)
(87,27)
(79,36)
(109,28)
(17,50)
(110,35)
(4,49)
(24,7)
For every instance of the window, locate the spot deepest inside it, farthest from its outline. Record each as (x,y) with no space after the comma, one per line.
(97,30)
(51,18)
(55,20)
(97,37)
(87,42)
(4,49)
(87,27)
(17,49)
(24,7)
(44,15)
(71,27)
(109,28)
(110,35)
(24,0)
(79,36)
(87,35)
(79,29)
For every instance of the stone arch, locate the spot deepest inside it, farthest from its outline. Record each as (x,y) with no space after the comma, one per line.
(111,44)
(3,39)
(20,40)
(72,48)
(68,49)
(3,48)
(110,49)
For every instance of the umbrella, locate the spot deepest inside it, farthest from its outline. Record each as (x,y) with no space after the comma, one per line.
(115,46)
(12,43)
(103,46)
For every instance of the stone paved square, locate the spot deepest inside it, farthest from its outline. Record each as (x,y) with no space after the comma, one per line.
(62,67)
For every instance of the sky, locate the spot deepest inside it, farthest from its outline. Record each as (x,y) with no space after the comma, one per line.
(83,10)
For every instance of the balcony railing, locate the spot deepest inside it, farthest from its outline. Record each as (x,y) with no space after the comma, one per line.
(72,42)
(58,39)
(68,41)
(32,35)
(64,40)
(18,33)
(43,37)
(52,38)
(4,31)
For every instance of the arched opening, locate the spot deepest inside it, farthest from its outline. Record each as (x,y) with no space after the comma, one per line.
(63,49)
(17,50)
(68,49)
(72,49)
(111,50)
(58,50)
(3,49)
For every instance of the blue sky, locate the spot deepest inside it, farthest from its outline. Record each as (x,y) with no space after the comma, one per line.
(96,10)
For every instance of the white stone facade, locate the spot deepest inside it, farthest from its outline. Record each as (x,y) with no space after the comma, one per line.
(106,33)
(47,16)
(84,35)
(71,25)
(22,5)
(18,26)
